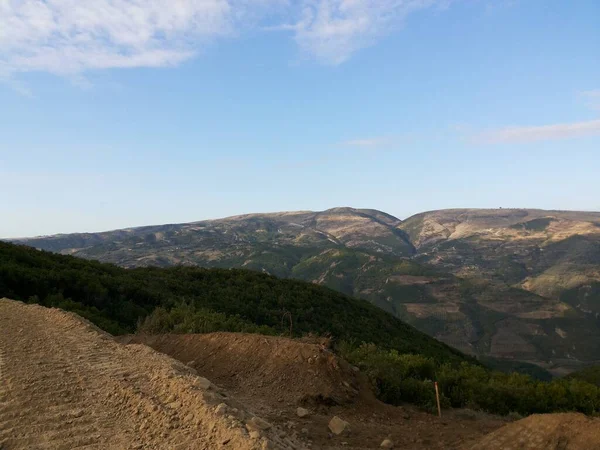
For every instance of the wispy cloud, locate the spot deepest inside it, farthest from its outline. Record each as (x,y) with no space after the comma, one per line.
(332,30)
(70,37)
(539,133)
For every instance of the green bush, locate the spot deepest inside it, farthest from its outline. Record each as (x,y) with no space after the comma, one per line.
(398,378)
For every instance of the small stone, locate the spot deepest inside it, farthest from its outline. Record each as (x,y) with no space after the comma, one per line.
(387,443)
(255,434)
(302,412)
(339,426)
(221,409)
(203,383)
(256,423)
(304,431)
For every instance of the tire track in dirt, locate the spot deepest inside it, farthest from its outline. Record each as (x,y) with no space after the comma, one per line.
(66,384)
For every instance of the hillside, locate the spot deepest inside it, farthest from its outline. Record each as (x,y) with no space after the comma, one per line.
(511,284)
(589,375)
(194,300)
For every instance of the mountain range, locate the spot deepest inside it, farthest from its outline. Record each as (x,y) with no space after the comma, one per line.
(508,284)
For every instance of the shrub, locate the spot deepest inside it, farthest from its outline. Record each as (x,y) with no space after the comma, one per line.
(406,378)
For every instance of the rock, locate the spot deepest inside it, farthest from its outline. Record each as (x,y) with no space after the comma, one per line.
(203,383)
(221,409)
(339,426)
(387,444)
(304,431)
(302,412)
(255,434)
(256,423)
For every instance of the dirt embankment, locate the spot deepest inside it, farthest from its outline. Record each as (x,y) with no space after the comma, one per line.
(66,384)
(274,376)
(568,431)
(285,370)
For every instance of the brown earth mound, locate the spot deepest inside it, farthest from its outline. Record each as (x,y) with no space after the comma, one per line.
(275,375)
(567,431)
(64,384)
(285,370)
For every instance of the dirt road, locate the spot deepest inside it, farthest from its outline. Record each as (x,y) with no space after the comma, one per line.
(65,384)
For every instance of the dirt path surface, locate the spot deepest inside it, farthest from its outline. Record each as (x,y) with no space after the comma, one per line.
(274,376)
(65,384)
(567,431)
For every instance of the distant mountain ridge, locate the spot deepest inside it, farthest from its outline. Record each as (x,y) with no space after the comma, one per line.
(507,283)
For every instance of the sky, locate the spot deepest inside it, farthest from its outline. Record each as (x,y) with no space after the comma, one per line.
(119,113)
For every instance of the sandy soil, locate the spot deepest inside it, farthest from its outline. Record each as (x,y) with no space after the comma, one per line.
(545,432)
(65,384)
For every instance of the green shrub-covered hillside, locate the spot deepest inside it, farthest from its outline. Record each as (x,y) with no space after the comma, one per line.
(401,362)
(192,299)
(589,375)
(398,378)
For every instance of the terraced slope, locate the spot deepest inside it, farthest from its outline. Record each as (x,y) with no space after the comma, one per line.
(65,384)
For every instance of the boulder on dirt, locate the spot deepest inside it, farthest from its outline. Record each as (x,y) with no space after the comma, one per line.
(387,443)
(339,426)
(302,412)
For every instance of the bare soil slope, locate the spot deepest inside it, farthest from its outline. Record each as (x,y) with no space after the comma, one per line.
(287,370)
(65,384)
(545,432)
(275,375)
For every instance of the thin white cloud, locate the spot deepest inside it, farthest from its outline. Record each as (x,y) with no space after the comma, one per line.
(70,37)
(539,133)
(332,30)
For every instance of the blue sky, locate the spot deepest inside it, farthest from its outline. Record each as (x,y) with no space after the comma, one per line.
(129,112)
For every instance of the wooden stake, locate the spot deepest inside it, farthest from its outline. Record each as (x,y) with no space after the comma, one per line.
(437,397)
